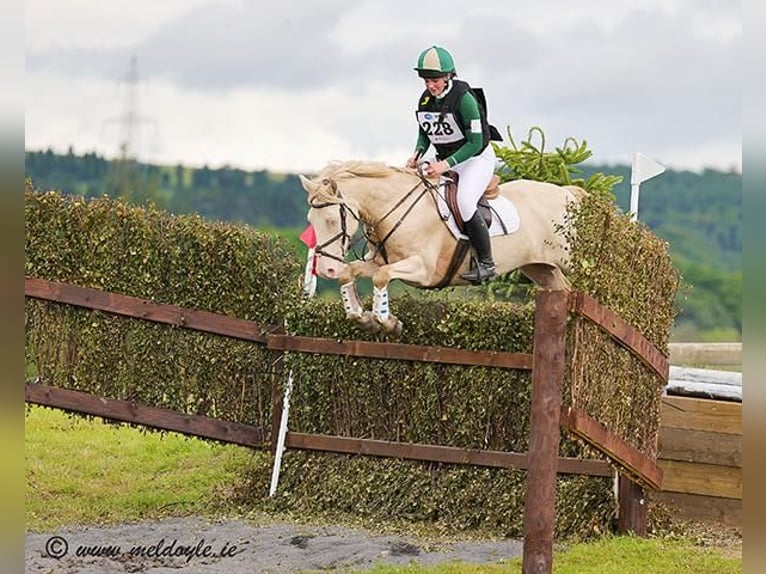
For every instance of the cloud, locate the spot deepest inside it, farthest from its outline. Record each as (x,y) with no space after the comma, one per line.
(647,82)
(224,46)
(335,77)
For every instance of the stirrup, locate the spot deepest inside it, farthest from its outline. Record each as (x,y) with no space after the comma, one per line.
(480,272)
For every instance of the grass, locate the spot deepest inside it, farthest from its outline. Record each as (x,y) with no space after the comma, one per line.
(84,472)
(627,555)
(611,555)
(81,471)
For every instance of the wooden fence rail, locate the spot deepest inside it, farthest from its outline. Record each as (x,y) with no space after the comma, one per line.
(257,438)
(137,308)
(152,417)
(422,353)
(627,335)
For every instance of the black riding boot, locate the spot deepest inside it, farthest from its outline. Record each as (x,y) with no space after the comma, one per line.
(483,268)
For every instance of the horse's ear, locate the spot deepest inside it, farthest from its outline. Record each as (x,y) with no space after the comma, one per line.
(307,184)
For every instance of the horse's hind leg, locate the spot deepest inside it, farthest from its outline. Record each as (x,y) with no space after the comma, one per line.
(546,276)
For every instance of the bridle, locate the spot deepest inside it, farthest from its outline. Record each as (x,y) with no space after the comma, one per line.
(346,239)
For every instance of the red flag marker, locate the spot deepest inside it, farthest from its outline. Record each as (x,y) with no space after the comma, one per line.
(308,237)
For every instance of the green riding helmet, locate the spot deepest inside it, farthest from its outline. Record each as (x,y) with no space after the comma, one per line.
(435,62)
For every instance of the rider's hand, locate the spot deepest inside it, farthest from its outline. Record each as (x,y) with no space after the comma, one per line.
(436,168)
(412,162)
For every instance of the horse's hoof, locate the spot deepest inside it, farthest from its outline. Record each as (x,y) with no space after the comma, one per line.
(392,327)
(368,323)
(371,328)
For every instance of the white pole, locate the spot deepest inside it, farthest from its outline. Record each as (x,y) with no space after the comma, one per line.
(309,279)
(643,168)
(634,201)
(281,436)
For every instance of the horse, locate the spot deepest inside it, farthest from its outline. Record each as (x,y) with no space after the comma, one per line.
(407,238)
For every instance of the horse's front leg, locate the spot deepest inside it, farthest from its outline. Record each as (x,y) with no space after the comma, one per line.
(412,270)
(350,296)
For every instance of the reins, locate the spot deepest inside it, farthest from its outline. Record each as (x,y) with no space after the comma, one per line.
(380,247)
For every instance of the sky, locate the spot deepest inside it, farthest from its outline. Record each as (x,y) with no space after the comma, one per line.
(289,86)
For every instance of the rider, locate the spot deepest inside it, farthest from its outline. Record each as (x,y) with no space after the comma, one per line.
(450,118)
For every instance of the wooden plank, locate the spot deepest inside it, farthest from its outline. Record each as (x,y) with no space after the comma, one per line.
(585,305)
(726,511)
(163,419)
(696,478)
(702,414)
(700,446)
(710,376)
(704,391)
(602,439)
(705,383)
(434,453)
(633,507)
(545,434)
(147,310)
(706,354)
(400,351)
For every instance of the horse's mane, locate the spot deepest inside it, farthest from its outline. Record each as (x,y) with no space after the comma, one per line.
(355,168)
(349,169)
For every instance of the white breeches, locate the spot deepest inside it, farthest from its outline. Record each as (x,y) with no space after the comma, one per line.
(475,175)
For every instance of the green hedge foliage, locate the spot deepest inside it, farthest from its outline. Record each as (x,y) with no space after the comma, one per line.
(628,269)
(449,498)
(186,261)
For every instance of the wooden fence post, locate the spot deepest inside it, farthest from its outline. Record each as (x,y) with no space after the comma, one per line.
(547,373)
(632,514)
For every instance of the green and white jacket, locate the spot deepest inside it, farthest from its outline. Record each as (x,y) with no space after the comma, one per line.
(454,122)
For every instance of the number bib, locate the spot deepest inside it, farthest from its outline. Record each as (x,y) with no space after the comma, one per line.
(440,132)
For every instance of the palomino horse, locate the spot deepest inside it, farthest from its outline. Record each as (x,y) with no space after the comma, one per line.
(408,240)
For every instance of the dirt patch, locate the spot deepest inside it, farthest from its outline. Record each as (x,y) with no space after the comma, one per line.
(237,547)
(723,539)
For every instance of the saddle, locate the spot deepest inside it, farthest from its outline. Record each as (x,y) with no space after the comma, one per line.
(450,194)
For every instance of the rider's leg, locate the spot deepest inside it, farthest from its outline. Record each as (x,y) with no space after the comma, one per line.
(484,269)
(475,175)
